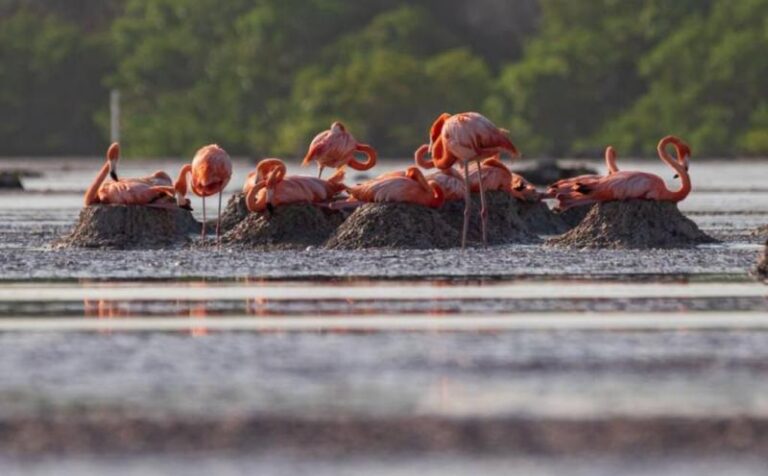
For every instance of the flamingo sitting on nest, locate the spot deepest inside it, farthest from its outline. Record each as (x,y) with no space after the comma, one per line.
(336,147)
(566,184)
(211,169)
(464,138)
(627,185)
(154,190)
(407,187)
(268,186)
(496,176)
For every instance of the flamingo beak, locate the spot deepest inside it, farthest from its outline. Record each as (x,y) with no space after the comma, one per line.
(113,170)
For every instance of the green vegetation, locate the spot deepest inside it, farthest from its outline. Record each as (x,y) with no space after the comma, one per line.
(261,77)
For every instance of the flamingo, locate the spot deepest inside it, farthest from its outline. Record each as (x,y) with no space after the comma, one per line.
(409,186)
(496,176)
(211,169)
(466,137)
(270,187)
(336,148)
(566,184)
(150,190)
(450,179)
(625,185)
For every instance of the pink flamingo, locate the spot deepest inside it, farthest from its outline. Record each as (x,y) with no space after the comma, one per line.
(496,176)
(625,185)
(450,180)
(150,190)
(408,187)
(270,187)
(566,184)
(336,148)
(211,169)
(466,137)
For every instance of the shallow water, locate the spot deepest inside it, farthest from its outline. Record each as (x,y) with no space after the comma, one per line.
(116,348)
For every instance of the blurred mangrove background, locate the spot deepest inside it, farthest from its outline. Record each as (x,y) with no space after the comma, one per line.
(261,77)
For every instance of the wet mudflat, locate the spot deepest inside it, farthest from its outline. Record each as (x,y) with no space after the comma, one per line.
(516,358)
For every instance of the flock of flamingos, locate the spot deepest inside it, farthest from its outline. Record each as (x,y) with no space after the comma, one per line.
(455,141)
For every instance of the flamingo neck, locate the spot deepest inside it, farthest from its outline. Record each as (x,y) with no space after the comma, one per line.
(181,186)
(610,160)
(438,196)
(251,202)
(92,194)
(420,157)
(685,188)
(370,161)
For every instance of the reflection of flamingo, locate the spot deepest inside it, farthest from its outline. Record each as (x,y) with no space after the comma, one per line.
(211,169)
(465,138)
(634,185)
(496,176)
(567,184)
(155,189)
(272,188)
(336,148)
(410,187)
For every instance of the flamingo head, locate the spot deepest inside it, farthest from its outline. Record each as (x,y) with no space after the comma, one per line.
(437,128)
(683,153)
(113,154)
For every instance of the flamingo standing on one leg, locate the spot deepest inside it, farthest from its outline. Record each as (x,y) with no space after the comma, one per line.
(150,190)
(270,187)
(627,185)
(567,184)
(211,169)
(467,137)
(336,147)
(496,176)
(408,187)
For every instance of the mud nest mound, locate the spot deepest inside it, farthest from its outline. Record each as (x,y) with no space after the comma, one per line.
(130,226)
(540,219)
(634,224)
(287,227)
(394,226)
(574,216)
(234,213)
(762,267)
(505,226)
(547,171)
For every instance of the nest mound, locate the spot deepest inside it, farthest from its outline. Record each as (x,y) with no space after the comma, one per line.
(762,267)
(574,216)
(288,227)
(131,226)
(505,226)
(634,224)
(234,213)
(761,232)
(547,171)
(10,181)
(540,219)
(394,226)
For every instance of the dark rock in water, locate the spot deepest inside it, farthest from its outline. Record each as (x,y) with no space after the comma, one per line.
(504,223)
(634,224)
(294,226)
(547,171)
(540,219)
(394,226)
(130,226)
(10,181)
(234,213)
(574,216)
(762,268)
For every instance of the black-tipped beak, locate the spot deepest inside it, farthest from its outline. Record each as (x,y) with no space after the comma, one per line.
(113,175)
(676,176)
(519,188)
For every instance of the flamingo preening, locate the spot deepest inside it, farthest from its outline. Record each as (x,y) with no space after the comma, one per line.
(464,138)
(496,176)
(627,185)
(406,187)
(211,169)
(269,186)
(153,190)
(336,147)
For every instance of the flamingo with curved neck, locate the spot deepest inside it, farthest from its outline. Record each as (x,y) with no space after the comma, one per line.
(629,185)
(336,147)
(409,186)
(566,184)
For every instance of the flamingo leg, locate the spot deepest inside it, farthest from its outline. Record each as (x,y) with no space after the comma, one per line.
(218,221)
(483,208)
(467,206)
(203,232)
